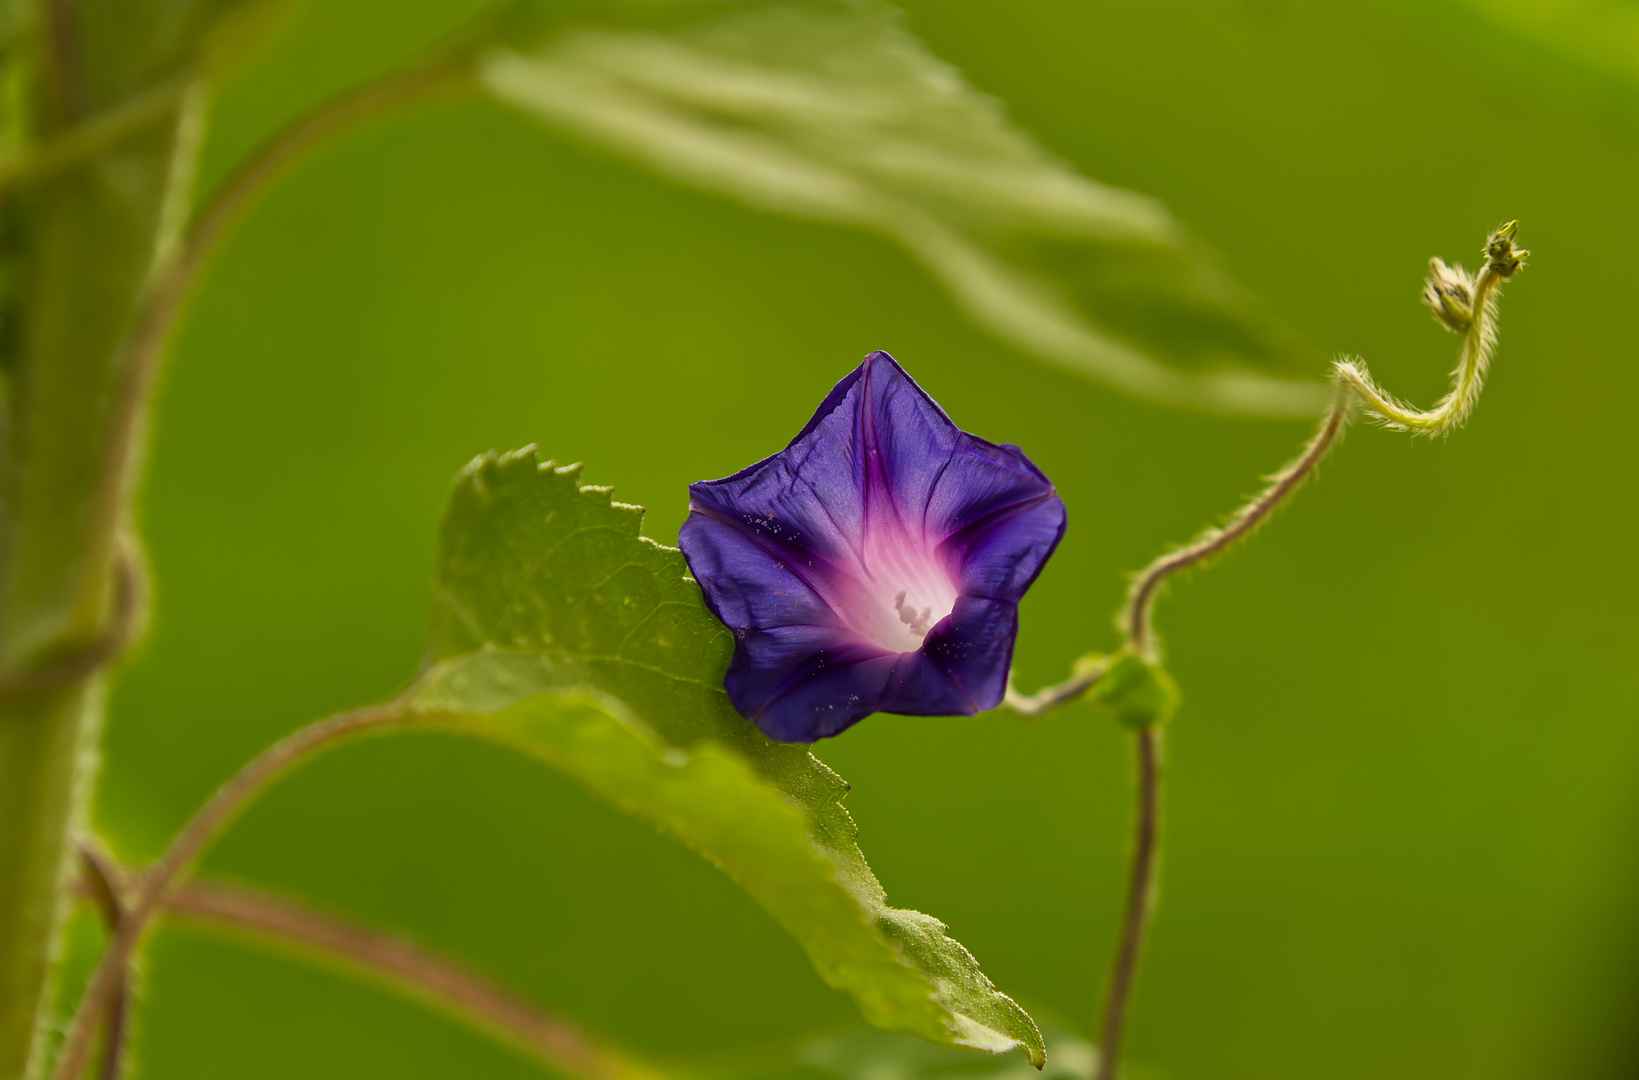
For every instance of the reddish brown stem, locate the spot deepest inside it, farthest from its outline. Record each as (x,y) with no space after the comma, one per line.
(1141,600)
(158,883)
(409,968)
(1140,898)
(104,882)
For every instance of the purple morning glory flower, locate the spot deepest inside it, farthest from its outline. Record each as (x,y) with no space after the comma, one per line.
(874,565)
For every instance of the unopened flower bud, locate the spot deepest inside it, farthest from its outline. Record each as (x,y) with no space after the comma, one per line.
(1449,292)
(1501,255)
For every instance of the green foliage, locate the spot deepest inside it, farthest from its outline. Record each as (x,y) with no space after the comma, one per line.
(836,113)
(313,413)
(872,1055)
(559,630)
(79,243)
(1134,692)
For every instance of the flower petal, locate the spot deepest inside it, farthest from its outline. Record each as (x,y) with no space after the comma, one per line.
(830,559)
(752,580)
(799,684)
(1000,554)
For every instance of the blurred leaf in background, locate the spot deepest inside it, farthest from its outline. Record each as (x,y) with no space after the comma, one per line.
(1428,872)
(1599,35)
(836,113)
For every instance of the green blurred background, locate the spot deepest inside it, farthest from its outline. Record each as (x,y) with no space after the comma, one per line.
(1402,823)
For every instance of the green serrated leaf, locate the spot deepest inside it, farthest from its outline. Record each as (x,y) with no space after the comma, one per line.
(559,630)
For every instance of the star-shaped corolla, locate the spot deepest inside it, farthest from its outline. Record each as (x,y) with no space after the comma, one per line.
(874,565)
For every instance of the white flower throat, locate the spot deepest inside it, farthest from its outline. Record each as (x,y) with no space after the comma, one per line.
(900,590)
(916,623)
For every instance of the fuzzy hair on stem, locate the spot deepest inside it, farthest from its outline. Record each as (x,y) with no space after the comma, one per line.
(1464,304)
(1476,320)
(157,885)
(377,956)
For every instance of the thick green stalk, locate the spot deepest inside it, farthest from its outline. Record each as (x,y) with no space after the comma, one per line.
(87,243)
(43,781)
(105,248)
(1464,303)
(80,242)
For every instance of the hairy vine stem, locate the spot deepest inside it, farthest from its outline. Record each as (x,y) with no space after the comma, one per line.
(1465,304)
(129,601)
(182,253)
(101,382)
(374,954)
(1048,698)
(182,246)
(409,968)
(158,884)
(104,880)
(1140,899)
(89,138)
(1141,597)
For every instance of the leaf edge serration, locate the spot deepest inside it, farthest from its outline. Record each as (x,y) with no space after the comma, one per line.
(966,1008)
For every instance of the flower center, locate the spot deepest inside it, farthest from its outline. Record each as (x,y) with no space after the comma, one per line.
(901,592)
(917,624)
